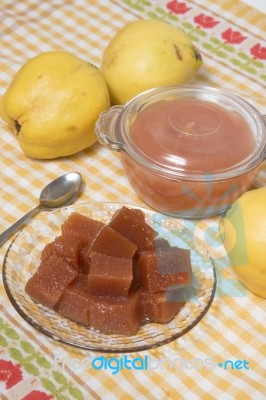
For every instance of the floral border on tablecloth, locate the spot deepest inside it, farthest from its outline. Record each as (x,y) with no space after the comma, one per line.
(215,35)
(30,375)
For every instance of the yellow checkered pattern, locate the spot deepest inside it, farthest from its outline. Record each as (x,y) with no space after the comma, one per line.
(234,327)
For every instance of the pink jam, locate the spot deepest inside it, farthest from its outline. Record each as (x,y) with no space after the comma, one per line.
(192,135)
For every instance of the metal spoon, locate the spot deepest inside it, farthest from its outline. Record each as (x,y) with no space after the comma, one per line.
(60,192)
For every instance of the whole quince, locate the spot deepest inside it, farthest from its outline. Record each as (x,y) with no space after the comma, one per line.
(147,53)
(53,103)
(243,231)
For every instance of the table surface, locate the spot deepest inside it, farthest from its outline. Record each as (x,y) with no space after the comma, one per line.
(258,4)
(234,327)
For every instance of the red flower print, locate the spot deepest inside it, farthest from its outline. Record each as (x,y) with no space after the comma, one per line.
(233,37)
(258,51)
(205,21)
(10,373)
(177,8)
(37,395)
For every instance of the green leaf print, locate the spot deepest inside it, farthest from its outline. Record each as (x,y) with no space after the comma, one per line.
(221,54)
(172,17)
(208,46)
(135,3)
(228,48)
(128,2)
(257,64)
(31,369)
(42,362)
(62,397)
(60,378)
(3,342)
(152,15)
(249,69)
(215,40)
(139,8)
(11,333)
(236,62)
(242,55)
(16,354)
(194,38)
(76,393)
(160,11)
(187,25)
(201,32)
(27,347)
(49,385)
(263,77)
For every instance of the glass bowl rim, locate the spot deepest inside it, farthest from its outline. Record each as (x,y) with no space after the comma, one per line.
(253,160)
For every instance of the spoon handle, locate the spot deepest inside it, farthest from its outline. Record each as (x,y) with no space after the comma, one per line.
(17,225)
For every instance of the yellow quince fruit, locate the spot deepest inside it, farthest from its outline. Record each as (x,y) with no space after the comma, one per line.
(53,103)
(243,231)
(147,53)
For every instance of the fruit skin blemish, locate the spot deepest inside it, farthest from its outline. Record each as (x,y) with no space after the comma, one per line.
(147,53)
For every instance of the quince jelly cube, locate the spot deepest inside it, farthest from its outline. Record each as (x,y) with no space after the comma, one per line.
(110,276)
(75,301)
(48,283)
(162,269)
(121,316)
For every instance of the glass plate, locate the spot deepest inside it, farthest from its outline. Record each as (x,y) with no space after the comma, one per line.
(23,257)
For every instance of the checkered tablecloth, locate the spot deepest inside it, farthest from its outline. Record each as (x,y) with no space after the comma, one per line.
(231,38)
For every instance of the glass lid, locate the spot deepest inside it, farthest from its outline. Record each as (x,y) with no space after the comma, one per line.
(192,130)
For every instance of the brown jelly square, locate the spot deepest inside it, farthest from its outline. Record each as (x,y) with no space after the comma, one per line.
(156,307)
(50,280)
(109,276)
(75,301)
(131,224)
(64,247)
(112,243)
(81,228)
(84,259)
(119,316)
(163,269)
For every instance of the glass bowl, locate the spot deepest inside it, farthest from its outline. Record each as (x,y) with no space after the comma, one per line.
(188,151)
(23,256)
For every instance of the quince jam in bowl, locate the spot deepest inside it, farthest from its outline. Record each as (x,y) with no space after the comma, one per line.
(188,151)
(109,277)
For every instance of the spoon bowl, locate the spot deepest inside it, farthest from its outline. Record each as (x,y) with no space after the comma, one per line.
(62,191)
(58,193)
